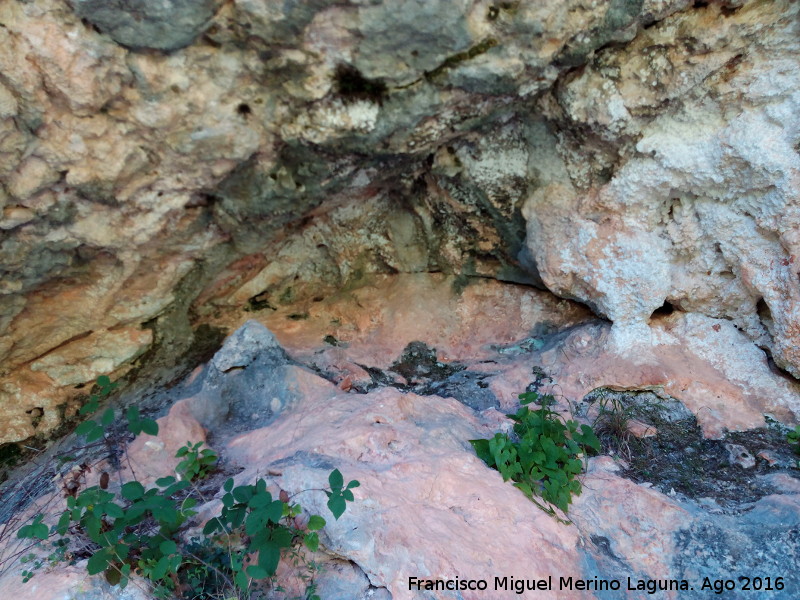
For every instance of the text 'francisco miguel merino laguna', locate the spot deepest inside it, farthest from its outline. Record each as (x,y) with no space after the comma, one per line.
(520,586)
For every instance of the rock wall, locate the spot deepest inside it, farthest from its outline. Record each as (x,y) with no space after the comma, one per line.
(159,173)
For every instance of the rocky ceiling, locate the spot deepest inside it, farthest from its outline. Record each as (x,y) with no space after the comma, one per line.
(161,174)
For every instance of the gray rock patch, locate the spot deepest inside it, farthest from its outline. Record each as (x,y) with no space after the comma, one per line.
(153,24)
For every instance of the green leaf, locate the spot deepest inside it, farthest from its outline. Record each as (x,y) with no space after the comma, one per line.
(316,522)
(228,485)
(311,541)
(122,550)
(35,530)
(168,547)
(90,406)
(337,505)
(274,511)
(353,484)
(133,490)
(63,523)
(125,578)
(588,438)
(165,481)
(269,555)
(244,493)
(212,526)
(98,562)
(481,448)
(176,487)
(94,435)
(255,522)
(160,570)
(113,510)
(149,427)
(260,500)
(241,580)
(257,572)
(85,428)
(237,517)
(107,418)
(336,480)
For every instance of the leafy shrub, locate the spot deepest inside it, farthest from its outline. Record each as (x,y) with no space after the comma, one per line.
(136,530)
(545,454)
(196,463)
(266,526)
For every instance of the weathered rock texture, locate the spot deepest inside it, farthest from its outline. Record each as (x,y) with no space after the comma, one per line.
(157,174)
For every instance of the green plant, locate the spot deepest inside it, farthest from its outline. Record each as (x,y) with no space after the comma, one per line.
(793,437)
(545,454)
(254,523)
(196,463)
(92,430)
(612,425)
(135,530)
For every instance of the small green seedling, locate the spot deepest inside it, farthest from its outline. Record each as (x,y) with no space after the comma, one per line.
(793,437)
(196,463)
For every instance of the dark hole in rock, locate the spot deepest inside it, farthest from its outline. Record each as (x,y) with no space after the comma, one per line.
(259,302)
(727,11)
(664,310)
(352,85)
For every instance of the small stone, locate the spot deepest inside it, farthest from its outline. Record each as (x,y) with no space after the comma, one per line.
(251,341)
(768,456)
(739,455)
(641,430)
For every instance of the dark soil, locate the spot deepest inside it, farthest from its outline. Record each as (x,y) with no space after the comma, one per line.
(419,365)
(680,460)
(426,375)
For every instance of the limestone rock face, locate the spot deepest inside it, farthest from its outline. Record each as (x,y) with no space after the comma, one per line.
(160,174)
(698,205)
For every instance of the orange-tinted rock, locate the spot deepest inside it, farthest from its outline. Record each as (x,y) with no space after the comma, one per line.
(151,457)
(99,353)
(373,324)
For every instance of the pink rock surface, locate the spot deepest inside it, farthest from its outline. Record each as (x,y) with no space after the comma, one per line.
(69,583)
(151,457)
(641,522)
(427,506)
(376,322)
(705,363)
